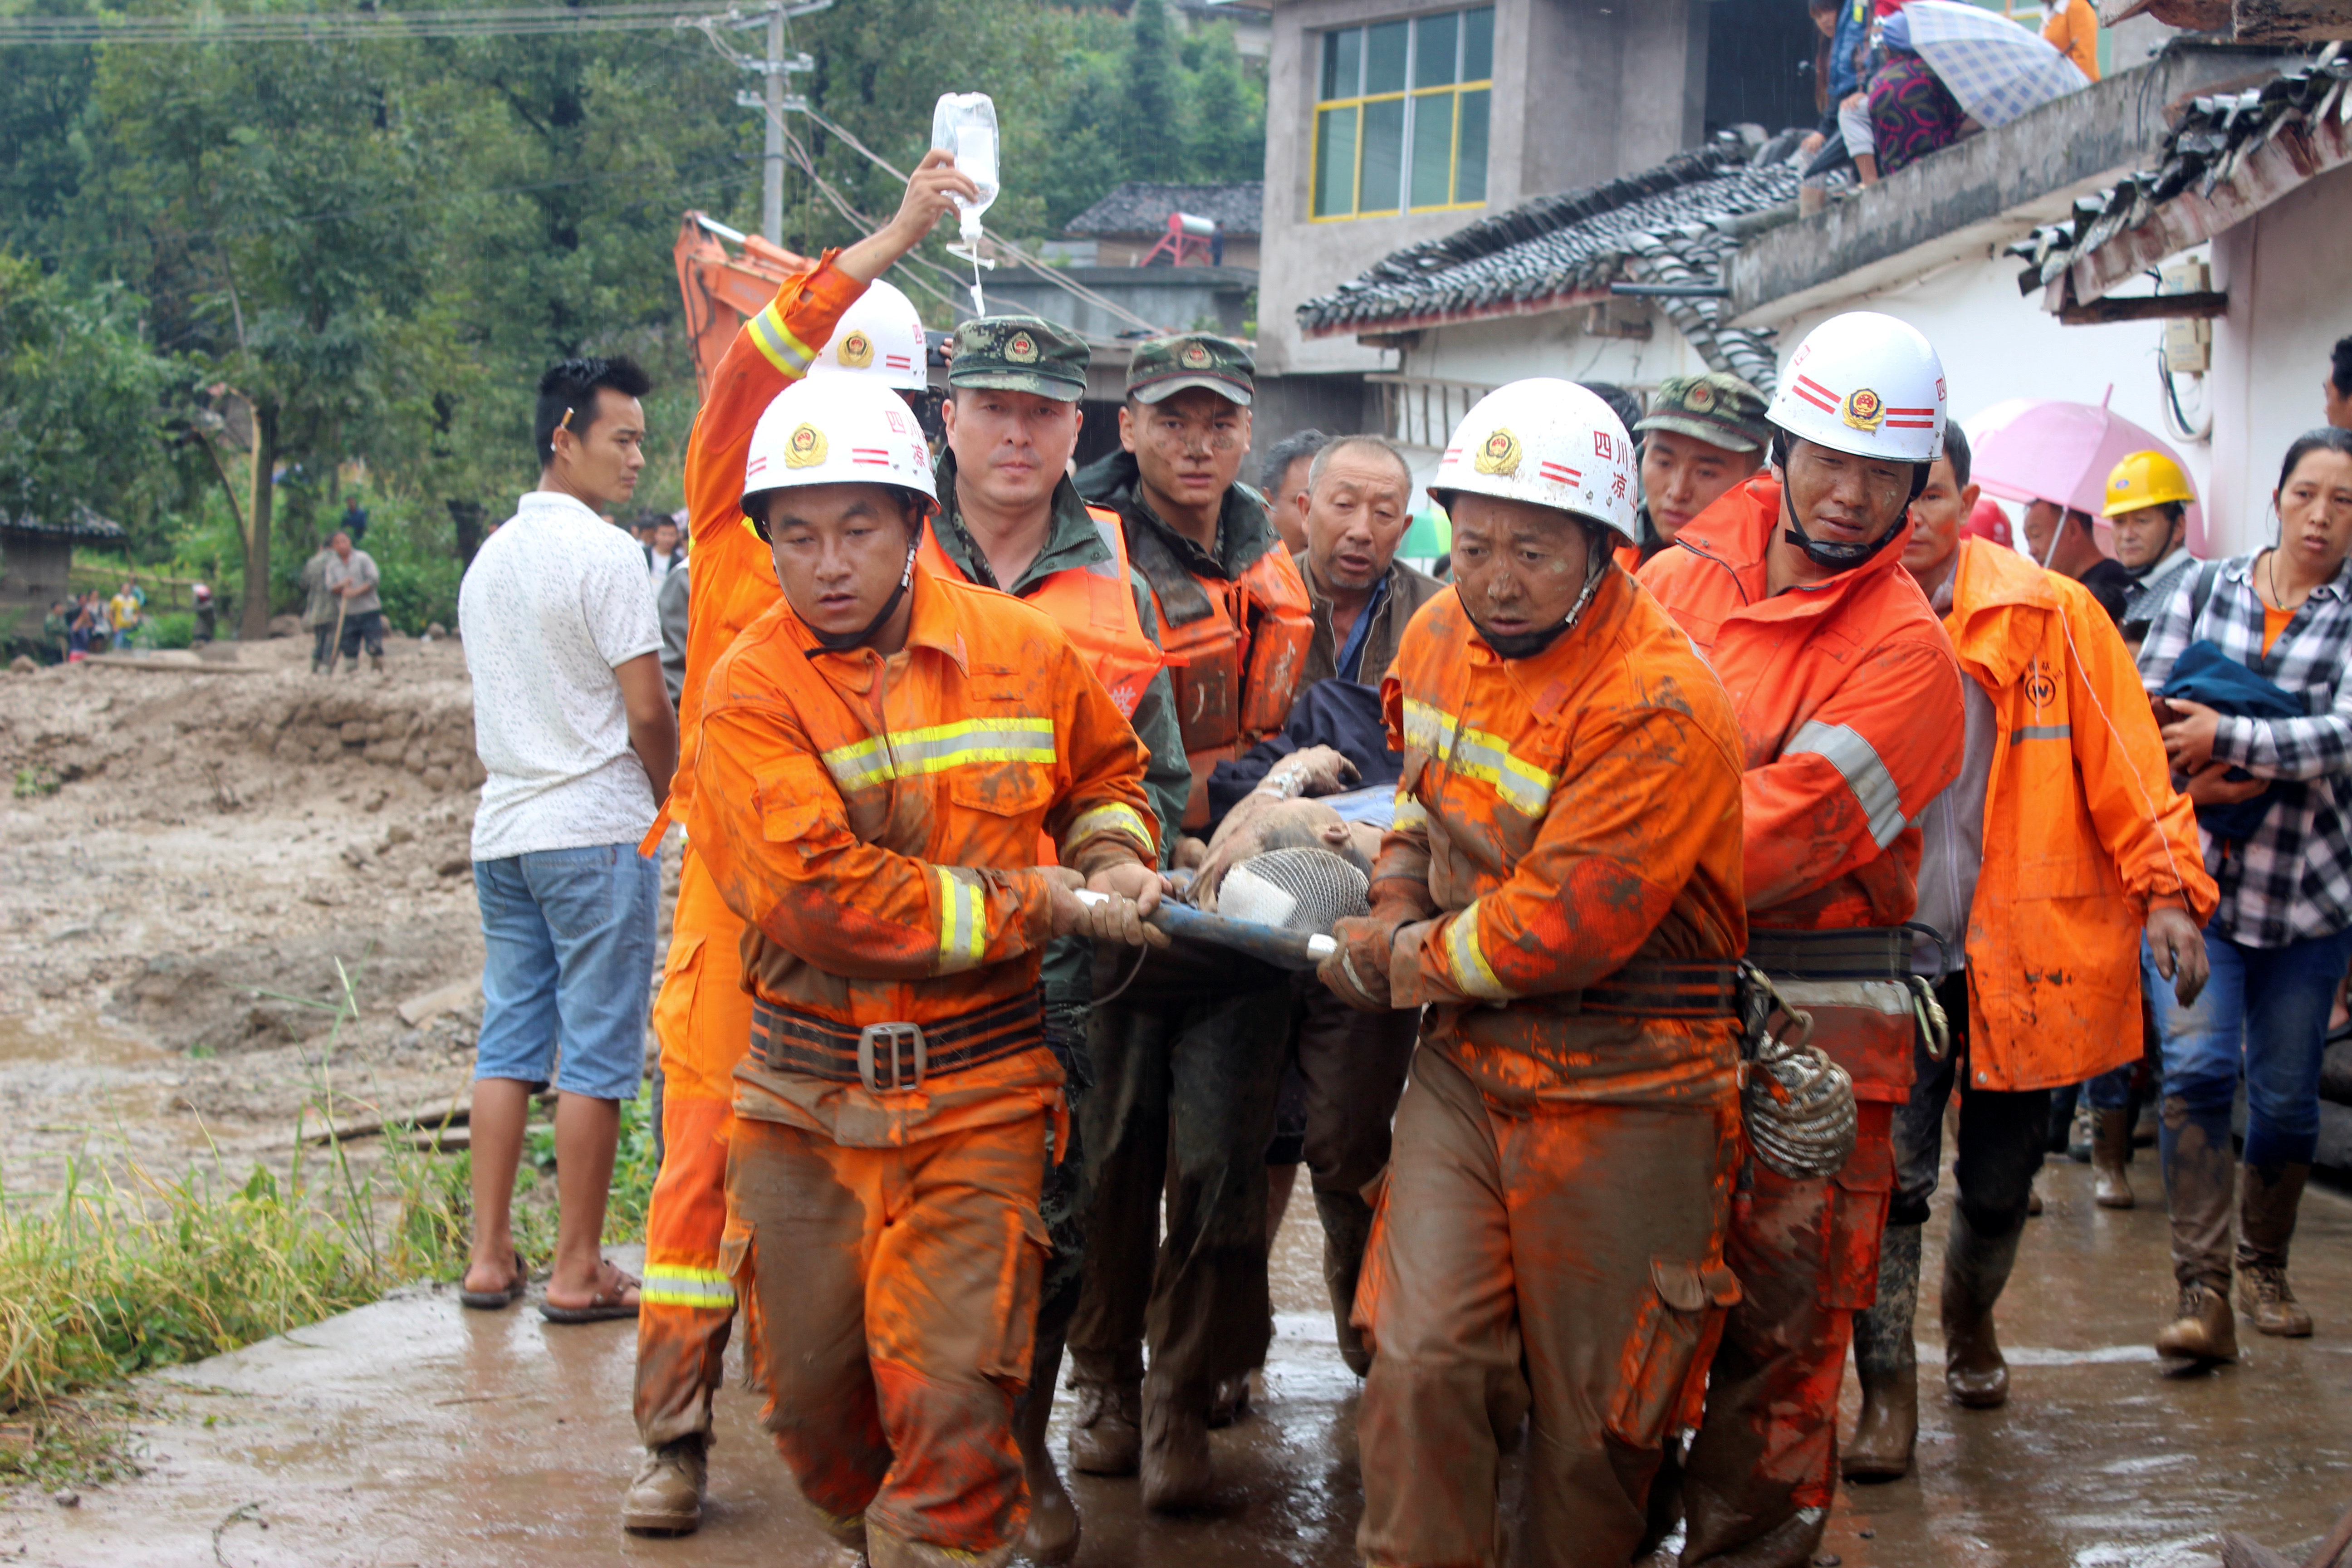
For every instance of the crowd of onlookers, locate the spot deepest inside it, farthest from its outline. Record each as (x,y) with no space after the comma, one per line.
(94,622)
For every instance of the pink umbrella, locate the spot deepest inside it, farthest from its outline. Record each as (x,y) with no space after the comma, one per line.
(2062,453)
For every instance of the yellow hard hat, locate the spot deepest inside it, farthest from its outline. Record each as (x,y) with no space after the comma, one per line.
(2145,480)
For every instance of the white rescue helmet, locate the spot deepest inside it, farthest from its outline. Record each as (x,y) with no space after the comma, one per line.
(879,338)
(1865,383)
(1550,443)
(841,430)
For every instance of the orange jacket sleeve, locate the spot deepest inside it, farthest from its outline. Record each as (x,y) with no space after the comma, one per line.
(1858,771)
(770,822)
(2147,829)
(731,579)
(1622,834)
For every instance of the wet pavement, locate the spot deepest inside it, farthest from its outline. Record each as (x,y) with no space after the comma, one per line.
(412,1432)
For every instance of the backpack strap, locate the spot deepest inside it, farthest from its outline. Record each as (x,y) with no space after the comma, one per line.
(2202,593)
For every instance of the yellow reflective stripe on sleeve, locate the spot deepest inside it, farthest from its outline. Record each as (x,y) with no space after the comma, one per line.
(1473,976)
(1846,749)
(1116,818)
(1412,817)
(775,341)
(913,752)
(1478,754)
(963,923)
(704,1289)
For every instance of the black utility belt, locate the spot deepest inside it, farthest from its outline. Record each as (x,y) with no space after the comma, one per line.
(894,1056)
(1661,990)
(1863,953)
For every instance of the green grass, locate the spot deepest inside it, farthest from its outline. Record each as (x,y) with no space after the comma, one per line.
(126,1270)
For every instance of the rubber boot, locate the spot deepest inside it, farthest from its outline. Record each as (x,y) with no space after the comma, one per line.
(1177,1471)
(1346,1231)
(2110,1152)
(2081,1133)
(2197,1173)
(1107,1436)
(1975,1270)
(1886,1361)
(2268,1197)
(666,1497)
(1052,1533)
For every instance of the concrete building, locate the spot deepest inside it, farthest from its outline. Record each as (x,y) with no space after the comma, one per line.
(1529,291)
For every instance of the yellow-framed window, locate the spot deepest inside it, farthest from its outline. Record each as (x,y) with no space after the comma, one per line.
(1401,116)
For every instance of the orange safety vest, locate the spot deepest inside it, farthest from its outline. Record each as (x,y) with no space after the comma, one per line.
(1236,668)
(1095,607)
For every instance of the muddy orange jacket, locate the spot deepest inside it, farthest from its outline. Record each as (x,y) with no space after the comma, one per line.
(856,811)
(2082,832)
(1849,704)
(1570,813)
(733,578)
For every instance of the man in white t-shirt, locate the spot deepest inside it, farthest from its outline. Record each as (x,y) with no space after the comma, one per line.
(575,730)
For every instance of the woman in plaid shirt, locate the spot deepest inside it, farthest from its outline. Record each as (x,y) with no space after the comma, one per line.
(2281,936)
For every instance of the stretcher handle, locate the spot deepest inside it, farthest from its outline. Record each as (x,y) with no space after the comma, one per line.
(1272,945)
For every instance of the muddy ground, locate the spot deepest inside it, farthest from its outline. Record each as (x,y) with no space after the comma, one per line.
(193,858)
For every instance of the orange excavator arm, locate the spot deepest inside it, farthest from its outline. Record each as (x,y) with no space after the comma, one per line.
(722,289)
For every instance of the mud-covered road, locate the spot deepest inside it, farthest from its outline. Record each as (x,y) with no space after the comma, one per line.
(412,1433)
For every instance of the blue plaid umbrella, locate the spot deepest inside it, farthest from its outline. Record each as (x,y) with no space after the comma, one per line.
(1996,69)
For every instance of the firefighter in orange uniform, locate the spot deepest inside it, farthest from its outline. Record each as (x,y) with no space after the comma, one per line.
(1849,701)
(703,1018)
(1010,518)
(879,749)
(1562,890)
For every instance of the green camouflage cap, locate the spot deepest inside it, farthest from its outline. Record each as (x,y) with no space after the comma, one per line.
(1163,367)
(1718,410)
(1020,353)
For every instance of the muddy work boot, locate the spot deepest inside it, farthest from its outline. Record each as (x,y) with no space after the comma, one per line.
(2268,1198)
(666,1497)
(1177,1471)
(1886,1362)
(1051,1536)
(1975,1270)
(2110,1152)
(884,1550)
(2203,1330)
(1106,1438)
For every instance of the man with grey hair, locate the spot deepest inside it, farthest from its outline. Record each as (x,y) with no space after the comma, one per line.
(1282,480)
(1354,513)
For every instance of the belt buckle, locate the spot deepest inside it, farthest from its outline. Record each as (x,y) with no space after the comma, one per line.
(893,1035)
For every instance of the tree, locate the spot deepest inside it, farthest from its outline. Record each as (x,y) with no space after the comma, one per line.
(81,397)
(1228,140)
(1151,117)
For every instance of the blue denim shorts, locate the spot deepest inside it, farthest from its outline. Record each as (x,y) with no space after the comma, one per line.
(567,982)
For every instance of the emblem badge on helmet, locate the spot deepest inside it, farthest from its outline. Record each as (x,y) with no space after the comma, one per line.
(1499,454)
(1865,410)
(804,448)
(856,351)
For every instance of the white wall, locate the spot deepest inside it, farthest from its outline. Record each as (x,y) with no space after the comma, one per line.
(1493,352)
(1997,343)
(2284,272)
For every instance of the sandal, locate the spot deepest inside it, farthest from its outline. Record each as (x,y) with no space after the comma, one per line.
(495,1301)
(607,1305)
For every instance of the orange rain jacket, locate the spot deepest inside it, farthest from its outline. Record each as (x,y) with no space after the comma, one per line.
(853,810)
(2083,831)
(1569,813)
(1849,704)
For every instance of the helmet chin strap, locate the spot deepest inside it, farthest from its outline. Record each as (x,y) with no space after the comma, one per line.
(841,642)
(1836,557)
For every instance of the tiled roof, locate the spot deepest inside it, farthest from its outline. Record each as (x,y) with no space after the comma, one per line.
(83,526)
(1672,224)
(1139,206)
(2230,154)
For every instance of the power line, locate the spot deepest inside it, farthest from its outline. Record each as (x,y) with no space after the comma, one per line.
(513,21)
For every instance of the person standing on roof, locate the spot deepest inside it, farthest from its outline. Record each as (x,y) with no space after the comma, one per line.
(836,322)
(1189,1060)
(1561,891)
(2071,27)
(1849,701)
(1010,518)
(1703,434)
(2059,843)
(881,751)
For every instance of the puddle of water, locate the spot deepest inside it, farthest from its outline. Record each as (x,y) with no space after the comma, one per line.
(71,1036)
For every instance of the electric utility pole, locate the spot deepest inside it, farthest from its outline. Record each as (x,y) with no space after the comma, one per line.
(772,100)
